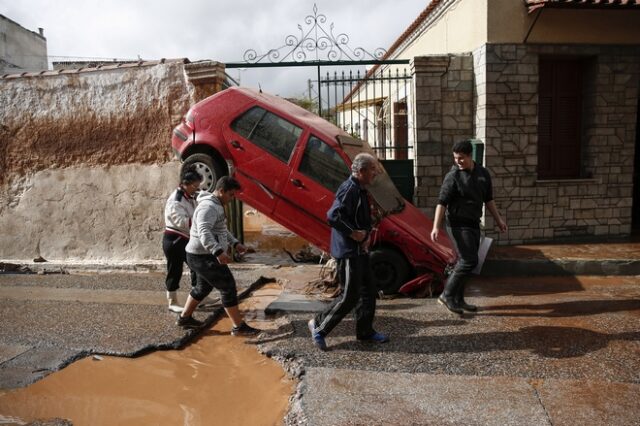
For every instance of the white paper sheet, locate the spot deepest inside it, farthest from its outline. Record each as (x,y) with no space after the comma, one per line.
(485,244)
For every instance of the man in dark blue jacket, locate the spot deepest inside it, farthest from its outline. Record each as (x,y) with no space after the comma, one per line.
(350,220)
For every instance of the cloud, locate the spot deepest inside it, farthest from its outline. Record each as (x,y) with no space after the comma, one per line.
(205,29)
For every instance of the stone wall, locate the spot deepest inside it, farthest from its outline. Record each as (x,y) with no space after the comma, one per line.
(84,155)
(493,96)
(506,119)
(443,115)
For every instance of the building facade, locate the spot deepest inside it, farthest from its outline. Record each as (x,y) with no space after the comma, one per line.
(21,50)
(551,90)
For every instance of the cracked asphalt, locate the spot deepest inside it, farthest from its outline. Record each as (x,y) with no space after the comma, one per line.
(540,351)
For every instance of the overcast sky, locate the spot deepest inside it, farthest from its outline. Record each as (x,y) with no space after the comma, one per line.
(206,29)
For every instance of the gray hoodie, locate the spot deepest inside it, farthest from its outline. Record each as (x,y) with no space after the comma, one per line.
(209,233)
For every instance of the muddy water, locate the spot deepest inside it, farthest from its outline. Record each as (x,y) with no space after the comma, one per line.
(218,379)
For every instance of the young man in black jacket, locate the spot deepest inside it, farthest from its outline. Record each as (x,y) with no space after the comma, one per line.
(350,220)
(464,190)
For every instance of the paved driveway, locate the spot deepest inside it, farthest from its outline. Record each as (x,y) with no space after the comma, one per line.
(544,350)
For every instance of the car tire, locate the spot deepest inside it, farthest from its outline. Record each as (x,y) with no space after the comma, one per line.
(389,270)
(208,167)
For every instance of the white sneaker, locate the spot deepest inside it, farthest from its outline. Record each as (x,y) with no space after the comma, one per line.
(174,306)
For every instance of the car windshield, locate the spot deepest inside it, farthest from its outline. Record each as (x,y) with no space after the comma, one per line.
(383,190)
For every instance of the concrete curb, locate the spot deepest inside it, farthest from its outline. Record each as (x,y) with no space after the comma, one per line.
(540,267)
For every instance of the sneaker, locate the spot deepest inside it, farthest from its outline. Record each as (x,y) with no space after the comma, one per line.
(448,303)
(376,338)
(189,322)
(244,329)
(318,340)
(175,308)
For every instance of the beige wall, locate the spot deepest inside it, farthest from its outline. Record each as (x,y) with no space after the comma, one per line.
(509,22)
(460,26)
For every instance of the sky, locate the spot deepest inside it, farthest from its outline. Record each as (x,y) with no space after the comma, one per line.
(207,30)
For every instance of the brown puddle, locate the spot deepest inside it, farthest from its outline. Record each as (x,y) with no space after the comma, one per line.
(217,379)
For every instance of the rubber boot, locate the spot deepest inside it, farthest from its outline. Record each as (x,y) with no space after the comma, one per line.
(172,298)
(460,302)
(447,298)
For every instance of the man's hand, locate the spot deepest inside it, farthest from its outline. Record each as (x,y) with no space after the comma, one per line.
(359,235)
(241,249)
(502,225)
(224,258)
(434,234)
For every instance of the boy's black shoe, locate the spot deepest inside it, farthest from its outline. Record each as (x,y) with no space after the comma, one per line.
(189,322)
(244,329)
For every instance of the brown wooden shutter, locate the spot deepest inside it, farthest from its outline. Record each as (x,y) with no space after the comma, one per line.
(400,130)
(559,112)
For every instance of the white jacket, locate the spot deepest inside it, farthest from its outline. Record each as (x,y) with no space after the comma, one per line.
(178,212)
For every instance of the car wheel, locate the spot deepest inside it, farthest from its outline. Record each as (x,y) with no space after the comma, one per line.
(390,270)
(208,168)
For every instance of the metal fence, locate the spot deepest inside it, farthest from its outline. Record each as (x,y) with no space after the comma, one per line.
(372,106)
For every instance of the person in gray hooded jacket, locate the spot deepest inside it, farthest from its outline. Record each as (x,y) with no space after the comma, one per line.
(207,255)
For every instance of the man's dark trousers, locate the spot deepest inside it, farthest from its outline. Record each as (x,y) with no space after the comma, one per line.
(467,242)
(358,291)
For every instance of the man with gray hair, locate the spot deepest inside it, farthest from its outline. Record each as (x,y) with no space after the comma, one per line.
(350,220)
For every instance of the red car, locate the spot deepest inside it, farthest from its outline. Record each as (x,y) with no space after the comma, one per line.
(290,163)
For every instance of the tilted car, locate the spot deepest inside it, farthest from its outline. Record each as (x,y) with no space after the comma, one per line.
(290,162)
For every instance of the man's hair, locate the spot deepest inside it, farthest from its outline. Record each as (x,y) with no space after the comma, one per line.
(362,161)
(463,147)
(227,183)
(190,176)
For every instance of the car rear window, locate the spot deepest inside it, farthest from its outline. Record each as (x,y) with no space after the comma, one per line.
(268,131)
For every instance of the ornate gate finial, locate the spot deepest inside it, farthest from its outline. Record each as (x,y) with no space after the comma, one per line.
(315,41)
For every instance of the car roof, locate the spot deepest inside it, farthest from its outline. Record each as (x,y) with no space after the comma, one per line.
(317,124)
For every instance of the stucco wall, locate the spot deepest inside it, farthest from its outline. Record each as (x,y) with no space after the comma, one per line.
(85,159)
(87,213)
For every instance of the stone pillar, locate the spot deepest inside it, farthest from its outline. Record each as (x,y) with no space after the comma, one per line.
(443,87)
(206,78)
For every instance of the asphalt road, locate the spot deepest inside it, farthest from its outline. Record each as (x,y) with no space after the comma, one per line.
(540,351)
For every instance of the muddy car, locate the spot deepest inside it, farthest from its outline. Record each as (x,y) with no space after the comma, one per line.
(290,163)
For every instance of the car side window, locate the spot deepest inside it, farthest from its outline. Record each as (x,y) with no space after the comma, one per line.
(323,164)
(268,131)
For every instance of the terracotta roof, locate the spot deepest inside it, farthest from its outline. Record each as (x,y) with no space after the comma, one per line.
(90,69)
(396,44)
(414,25)
(583,4)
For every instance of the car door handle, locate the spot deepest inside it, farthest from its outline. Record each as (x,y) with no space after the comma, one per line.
(296,182)
(236,144)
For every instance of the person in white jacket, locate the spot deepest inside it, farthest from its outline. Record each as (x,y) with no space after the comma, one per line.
(178,212)
(207,255)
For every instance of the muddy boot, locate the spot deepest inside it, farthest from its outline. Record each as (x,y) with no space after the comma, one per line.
(460,302)
(172,298)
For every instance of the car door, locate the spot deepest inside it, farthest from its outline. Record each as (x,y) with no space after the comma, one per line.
(261,144)
(310,190)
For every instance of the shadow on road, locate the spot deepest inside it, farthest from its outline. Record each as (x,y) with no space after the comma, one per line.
(562,309)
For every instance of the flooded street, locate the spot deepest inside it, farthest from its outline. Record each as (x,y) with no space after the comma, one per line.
(216,379)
